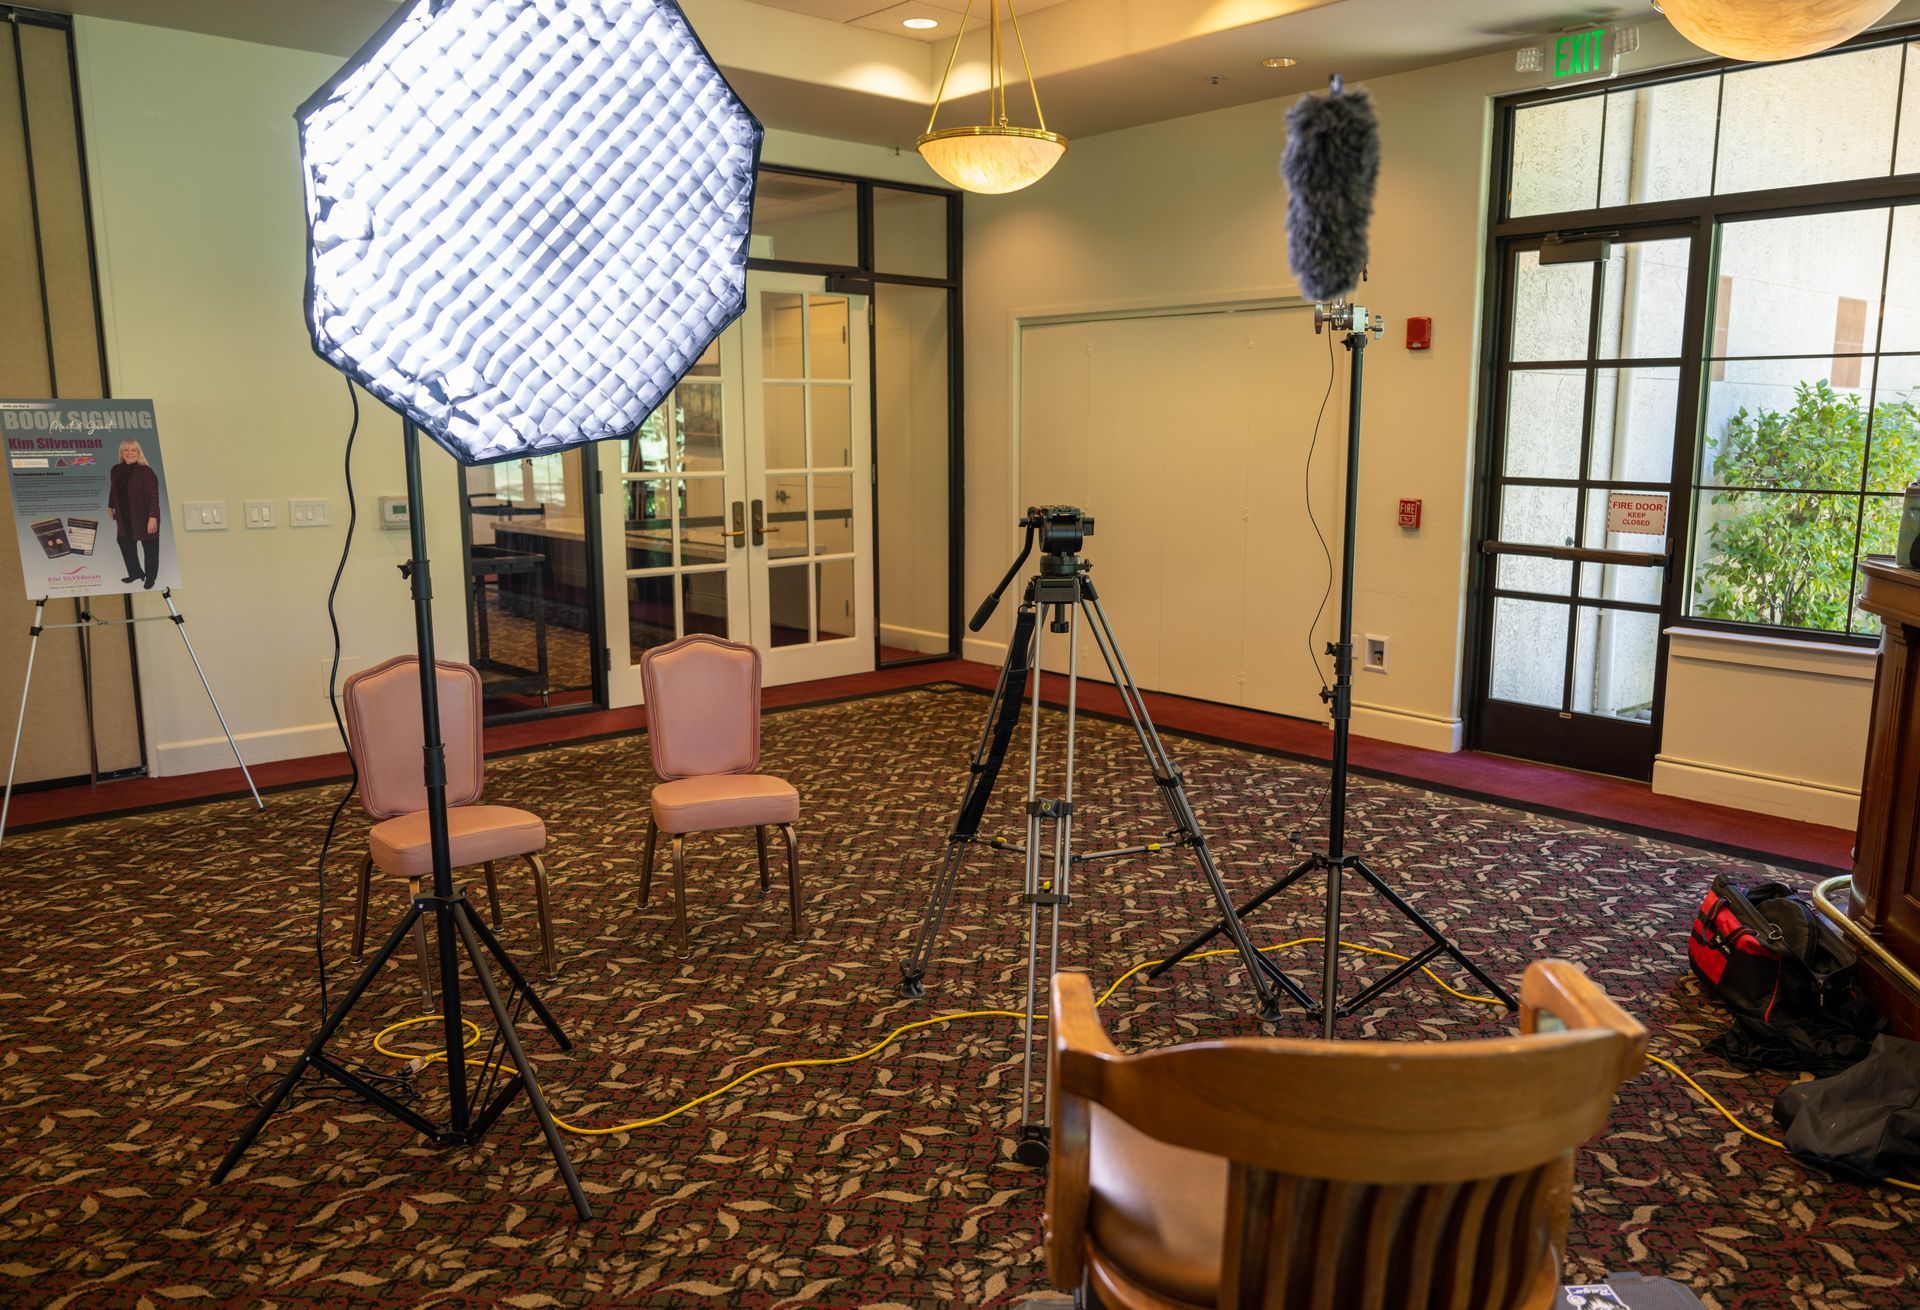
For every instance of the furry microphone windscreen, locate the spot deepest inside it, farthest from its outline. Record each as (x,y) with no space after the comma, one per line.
(1331,163)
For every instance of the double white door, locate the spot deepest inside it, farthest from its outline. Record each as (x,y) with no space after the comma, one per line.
(744,506)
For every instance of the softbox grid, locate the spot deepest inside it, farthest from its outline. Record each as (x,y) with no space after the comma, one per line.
(527,218)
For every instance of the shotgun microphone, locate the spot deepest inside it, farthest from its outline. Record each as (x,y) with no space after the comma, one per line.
(1330,165)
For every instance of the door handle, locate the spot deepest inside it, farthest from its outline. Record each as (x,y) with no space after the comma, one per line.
(759,522)
(739,523)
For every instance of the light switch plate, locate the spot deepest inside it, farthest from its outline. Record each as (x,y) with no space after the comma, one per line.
(259,514)
(203,515)
(307,513)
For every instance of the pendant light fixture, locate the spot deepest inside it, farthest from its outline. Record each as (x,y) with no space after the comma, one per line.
(997,157)
(1762,30)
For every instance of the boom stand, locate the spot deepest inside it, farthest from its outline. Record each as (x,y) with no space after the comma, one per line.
(1063,586)
(1355,322)
(86,623)
(453,918)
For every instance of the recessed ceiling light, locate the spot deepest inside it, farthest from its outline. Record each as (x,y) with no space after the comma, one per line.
(1278,61)
(920,24)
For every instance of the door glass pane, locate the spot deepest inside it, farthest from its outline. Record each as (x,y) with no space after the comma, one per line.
(697,410)
(1742,576)
(708,365)
(789,609)
(1545,410)
(1529,652)
(1644,299)
(1816,120)
(913,459)
(783,335)
(832,514)
(1615,652)
(649,531)
(1660,142)
(703,604)
(1634,412)
(1545,137)
(1879,535)
(1900,327)
(832,426)
(703,507)
(807,220)
(829,351)
(786,515)
(1893,454)
(1785,423)
(834,581)
(1629,582)
(1804,285)
(649,615)
(1552,306)
(786,420)
(909,232)
(651,448)
(1538,516)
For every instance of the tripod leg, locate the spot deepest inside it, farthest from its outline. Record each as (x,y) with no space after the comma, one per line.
(519,980)
(180,623)
(1173,793)
(463,916)
(26,685)
(333,1021)
(1434,934)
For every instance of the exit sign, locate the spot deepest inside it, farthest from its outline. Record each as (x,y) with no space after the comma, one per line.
(1587,54)
(1577,54)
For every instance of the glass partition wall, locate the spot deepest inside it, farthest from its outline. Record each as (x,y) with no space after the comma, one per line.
(1703,353)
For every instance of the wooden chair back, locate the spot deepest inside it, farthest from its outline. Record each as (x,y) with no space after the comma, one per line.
(1374,1175)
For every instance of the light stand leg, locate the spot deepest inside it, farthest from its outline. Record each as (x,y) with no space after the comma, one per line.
(180,623)
(33,648)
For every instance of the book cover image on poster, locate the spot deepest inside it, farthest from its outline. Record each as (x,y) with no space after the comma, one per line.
(90,505)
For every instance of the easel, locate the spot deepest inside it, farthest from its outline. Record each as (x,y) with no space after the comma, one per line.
(86,623)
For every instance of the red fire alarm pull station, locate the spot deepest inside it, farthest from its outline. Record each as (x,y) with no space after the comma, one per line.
(1419,334)
(1409,513)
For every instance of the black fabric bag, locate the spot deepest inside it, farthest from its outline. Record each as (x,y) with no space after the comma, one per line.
(1864,1122)
(1788,978)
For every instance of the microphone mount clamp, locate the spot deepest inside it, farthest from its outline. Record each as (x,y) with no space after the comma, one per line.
(1344,317)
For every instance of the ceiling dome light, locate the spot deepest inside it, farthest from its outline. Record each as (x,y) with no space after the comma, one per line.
(920,24)
(996,157)
(1763,30)
(1278,61)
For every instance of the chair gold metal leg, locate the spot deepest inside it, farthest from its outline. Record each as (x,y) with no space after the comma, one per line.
(680,893)
(493,896)
(360,911)
(760,840)
(793,878)
(646,862)
(546,918)
(420,945)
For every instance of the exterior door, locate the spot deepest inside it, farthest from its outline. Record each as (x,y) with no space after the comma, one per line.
(809,420)
(1590,391)
(743,508)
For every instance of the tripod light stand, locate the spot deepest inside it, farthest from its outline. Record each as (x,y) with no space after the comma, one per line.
(1338,861)
(527,220)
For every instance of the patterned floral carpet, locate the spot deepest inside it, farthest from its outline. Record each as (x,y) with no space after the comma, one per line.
(158,965)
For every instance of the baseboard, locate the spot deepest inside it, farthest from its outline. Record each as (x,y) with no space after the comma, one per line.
(915,639)
(175,758)
(1789,798)
(983,651)
(1408,728)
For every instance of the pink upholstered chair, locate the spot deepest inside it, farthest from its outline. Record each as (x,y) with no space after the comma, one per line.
(703,727)
(384,730)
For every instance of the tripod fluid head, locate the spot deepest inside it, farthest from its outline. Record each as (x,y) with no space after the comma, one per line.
(1061,531)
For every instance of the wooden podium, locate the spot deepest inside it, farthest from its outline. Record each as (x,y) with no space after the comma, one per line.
(1886,857)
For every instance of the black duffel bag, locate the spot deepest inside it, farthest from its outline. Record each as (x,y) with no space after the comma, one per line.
(1865,1121)
(1788,978)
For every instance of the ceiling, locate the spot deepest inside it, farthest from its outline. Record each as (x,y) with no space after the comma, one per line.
(847,69)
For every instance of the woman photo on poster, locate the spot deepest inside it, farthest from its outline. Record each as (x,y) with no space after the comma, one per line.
(133,502)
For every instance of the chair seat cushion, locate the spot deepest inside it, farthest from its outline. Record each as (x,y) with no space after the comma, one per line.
(724,800)
(476,834)
(1158,1212)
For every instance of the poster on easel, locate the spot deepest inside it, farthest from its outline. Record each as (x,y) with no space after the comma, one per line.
(89,497)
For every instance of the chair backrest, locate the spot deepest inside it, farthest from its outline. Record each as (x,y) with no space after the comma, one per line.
(1392,1175)
(387,737)
(703,707)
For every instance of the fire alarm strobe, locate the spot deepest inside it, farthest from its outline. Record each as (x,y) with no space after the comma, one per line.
(1409,513)
(1419,334)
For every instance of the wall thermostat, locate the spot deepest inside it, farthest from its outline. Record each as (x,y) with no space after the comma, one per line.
(393,513)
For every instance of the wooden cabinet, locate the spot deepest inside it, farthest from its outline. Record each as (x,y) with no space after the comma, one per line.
(1886,869)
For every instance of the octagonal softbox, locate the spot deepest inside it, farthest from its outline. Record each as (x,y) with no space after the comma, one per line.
(527,219)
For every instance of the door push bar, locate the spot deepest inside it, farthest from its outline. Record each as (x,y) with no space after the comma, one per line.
(1580,554)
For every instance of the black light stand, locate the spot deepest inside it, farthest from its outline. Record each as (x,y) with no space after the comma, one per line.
(453,915)
(1358,326)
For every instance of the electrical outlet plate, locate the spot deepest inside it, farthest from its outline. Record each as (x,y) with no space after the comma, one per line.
(307,513)
(1373,653)
(203,515)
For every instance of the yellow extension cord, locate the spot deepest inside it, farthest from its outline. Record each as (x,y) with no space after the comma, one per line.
(474,1034)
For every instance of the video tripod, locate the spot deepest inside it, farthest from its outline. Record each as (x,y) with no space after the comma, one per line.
(1062,586)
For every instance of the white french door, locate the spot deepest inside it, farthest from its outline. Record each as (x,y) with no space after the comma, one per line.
(743,507)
